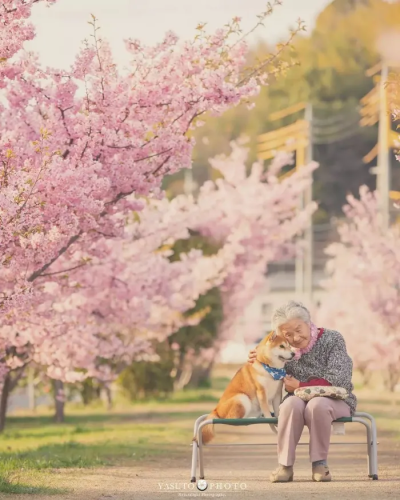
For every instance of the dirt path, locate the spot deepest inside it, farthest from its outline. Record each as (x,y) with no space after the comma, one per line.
(247,466)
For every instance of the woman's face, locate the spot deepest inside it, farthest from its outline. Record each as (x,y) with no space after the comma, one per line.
(296,332)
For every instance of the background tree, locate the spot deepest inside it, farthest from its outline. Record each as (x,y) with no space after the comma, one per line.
(74,169)
(330,74)
(364,287)
(258,216)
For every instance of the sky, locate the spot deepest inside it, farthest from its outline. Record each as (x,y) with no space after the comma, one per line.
(62,27)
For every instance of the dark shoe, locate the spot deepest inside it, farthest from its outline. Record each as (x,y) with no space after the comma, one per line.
(282,474)
(320,473)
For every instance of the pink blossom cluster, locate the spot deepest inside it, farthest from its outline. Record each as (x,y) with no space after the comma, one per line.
(15,30)
(363,300)
(258,216)
(82,148)
(118,302)
(82,157)
(129,292)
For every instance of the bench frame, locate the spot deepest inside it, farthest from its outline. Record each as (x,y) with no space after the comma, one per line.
(359,417)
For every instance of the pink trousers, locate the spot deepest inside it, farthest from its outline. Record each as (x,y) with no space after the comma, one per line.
(317,415)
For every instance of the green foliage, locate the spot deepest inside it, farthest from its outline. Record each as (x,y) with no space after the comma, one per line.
(331,75)
(89,390)
(203,334)
(34,447)
(144,379)
(197,242)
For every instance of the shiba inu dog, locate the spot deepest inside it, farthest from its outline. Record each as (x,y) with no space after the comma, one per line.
(256,388)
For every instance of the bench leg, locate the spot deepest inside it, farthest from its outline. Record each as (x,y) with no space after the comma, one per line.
(201,459)
(194,462)
(374,449)
(200,445)
(195,448)
(372,446)
(369,451)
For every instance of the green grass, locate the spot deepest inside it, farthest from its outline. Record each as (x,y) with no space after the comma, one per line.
(7,486)
(206,394)
(202,395)
(182,397)
(32,447)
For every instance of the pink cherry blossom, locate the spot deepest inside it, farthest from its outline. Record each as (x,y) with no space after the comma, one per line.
(364,285)
(85,229)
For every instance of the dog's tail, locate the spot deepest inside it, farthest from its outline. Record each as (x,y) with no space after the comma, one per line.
(207,431)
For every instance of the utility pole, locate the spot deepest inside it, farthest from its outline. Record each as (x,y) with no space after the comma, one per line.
(376,110)
(304,261)
(299,263)
(308,195)
(383,170)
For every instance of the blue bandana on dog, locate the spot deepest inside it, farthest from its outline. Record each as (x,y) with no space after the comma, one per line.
(276,373)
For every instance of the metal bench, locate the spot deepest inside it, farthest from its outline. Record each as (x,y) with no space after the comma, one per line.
(360,417)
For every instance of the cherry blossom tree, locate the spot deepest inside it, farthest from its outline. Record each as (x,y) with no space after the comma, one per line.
(258,215)
(262,213)
(127,295)
(15,30)
(364,287)
(130,292)
(81,147)
(81,150)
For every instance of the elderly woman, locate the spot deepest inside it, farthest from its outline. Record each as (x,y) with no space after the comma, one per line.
(321,359)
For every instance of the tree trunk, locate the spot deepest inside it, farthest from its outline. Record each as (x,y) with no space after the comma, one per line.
(107,390)
(183,371)
(365,375)
(392,378)
(185,376)
(85,393)
(31,389)
(179,368)
(200,374)
(8,386)
(59,405)
(4,401)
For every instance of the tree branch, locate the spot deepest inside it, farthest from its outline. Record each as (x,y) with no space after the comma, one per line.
(161,165)
(64,270)
(39,272)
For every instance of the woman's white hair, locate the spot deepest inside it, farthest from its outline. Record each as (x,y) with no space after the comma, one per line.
(288,311)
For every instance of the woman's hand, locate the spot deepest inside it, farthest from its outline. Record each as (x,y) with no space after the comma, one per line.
(252,356)
(291,383)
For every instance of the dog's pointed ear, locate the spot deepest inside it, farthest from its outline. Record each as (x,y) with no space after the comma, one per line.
(273,335)
(268,338)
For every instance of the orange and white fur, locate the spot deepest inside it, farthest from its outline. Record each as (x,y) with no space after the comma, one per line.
(253,391)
